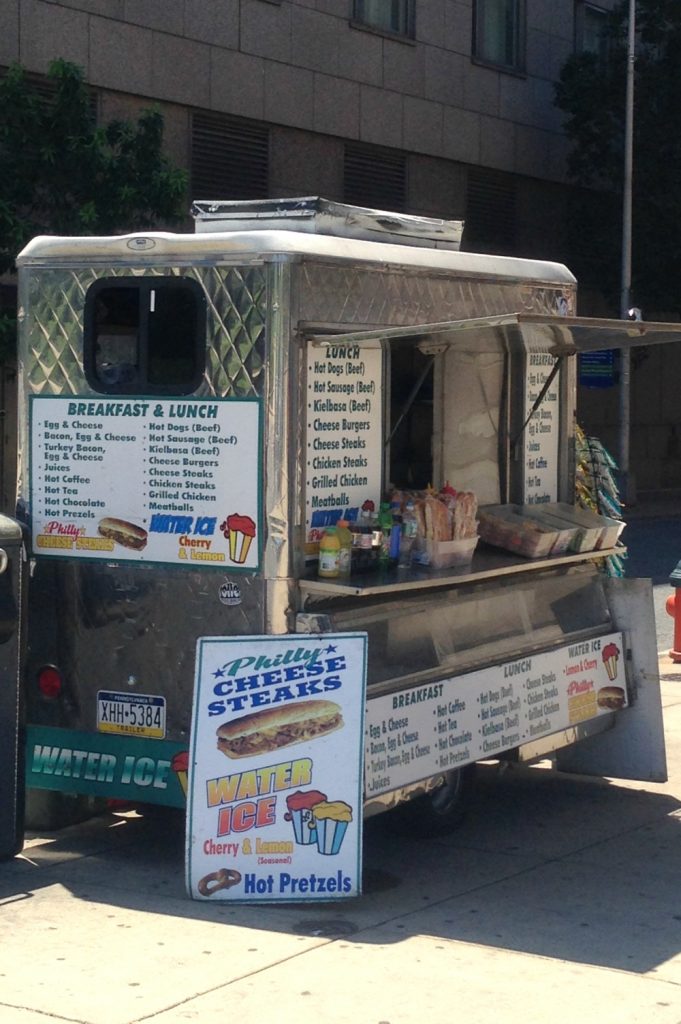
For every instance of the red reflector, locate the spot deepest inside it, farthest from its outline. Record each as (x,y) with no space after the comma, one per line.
(49,682)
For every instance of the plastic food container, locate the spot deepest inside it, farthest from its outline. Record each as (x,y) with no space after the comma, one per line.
(445,554)
(566,532)
(591,531)
(504,527)
(611,532)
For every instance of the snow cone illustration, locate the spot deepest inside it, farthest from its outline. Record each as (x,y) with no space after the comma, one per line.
(300,812)
(610,655)
(239,531)
(331,819)
(180,765)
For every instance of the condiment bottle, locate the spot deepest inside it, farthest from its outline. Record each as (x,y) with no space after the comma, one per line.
(345,555)
(395,532)
(385,522)
(409,531)
(329,554)
(366,525)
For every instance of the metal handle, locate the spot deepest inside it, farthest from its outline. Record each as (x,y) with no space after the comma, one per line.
(4,560)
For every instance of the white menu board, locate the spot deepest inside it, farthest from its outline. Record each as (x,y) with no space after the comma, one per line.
(275,768)
(542,432)
(146,479)
(344,454)
(417,733)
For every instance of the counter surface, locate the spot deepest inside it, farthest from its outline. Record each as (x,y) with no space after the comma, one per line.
(487,563)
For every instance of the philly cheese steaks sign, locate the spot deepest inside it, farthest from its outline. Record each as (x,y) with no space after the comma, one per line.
(146,479)
(276,768)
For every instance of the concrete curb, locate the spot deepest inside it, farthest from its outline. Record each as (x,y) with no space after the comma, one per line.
(670,671)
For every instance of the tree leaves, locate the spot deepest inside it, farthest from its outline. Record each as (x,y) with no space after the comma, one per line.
(591,93)
(61,174)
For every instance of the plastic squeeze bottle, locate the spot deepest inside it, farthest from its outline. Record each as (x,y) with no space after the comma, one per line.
(395,533)
(329,554)
(385,524)
(409,530)
(345,554)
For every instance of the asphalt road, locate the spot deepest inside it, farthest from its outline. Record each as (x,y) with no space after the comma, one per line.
(654,550)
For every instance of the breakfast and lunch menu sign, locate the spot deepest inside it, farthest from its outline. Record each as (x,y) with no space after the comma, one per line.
(542,431)
(275,786)
(146,479)
(439,726)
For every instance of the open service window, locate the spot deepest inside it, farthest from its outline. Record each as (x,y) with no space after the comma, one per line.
(144,335)
(484,403)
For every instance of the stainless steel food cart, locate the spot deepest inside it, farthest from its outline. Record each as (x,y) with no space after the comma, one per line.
(219,397)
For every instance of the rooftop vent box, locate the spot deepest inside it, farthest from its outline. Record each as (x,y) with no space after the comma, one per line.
(322,217)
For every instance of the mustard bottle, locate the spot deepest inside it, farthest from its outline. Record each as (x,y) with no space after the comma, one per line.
(345,539)
(329,554)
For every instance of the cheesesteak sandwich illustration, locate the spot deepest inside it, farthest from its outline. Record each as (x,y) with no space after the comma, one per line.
(122,532)
(274,728)
(611,698)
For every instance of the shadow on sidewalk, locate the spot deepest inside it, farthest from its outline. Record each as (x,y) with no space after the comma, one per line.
(559,866)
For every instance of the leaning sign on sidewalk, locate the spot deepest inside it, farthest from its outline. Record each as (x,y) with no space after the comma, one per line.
(276,768)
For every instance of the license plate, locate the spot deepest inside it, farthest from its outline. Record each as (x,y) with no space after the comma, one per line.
(137,714)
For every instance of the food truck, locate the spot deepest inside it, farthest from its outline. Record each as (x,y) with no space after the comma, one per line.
(199,410)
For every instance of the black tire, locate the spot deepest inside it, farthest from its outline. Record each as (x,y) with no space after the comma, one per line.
(434,814)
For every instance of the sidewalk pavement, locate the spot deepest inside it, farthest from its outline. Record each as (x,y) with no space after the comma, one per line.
(558,899)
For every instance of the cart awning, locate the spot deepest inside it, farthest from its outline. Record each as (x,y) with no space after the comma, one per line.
(557,335)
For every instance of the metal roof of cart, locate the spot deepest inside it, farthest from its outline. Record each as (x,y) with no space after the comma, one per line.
(151,248)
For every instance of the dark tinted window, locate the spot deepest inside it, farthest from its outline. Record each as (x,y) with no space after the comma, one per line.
(387,15)
(374,177)
(229,157)
(591,27)
(145,335)
(499,32)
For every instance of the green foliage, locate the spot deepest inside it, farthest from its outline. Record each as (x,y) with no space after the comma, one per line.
(61,174)
(8,335)
(591,93)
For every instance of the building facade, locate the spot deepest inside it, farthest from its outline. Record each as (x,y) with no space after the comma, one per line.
(439,107)
(435,107)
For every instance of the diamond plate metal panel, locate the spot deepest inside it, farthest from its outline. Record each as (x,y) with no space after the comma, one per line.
(394,296)
(133,627)
(52,328)
(51,333)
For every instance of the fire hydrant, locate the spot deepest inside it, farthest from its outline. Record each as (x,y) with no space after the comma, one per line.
(673,606)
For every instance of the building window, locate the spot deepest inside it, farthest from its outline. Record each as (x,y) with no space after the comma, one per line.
(374,177)
(229,157)
(591,24)
(145,335)
(491,207)
(499,33)
(45,89)
(386,15)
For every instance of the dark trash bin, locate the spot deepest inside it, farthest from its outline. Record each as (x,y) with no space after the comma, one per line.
(12,581)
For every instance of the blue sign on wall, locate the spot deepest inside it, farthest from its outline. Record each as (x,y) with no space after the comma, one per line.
(597,369)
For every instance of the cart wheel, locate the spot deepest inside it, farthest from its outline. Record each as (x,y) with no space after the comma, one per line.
(437,813)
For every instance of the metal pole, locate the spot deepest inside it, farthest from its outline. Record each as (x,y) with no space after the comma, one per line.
(626,487)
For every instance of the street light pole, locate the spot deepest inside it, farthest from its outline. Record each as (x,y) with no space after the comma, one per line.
(626,487)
